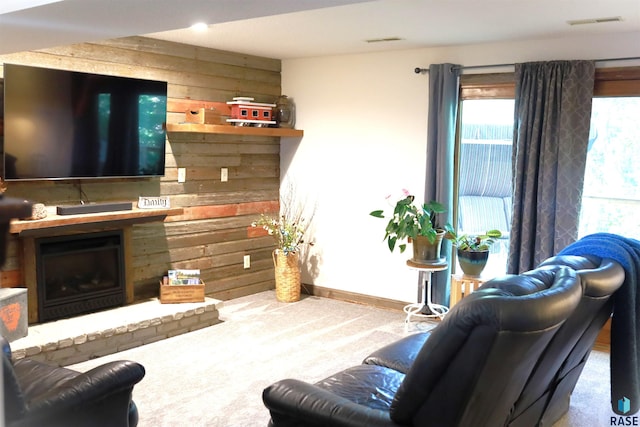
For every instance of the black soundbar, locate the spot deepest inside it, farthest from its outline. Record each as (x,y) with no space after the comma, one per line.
(94,208)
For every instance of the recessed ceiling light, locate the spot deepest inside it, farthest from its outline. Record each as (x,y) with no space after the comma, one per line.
(199,26)
(595,20)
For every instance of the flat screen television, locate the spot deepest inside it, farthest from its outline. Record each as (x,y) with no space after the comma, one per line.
(70,125)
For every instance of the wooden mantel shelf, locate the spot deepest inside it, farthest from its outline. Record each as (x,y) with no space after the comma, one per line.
(114,218)
(233,130)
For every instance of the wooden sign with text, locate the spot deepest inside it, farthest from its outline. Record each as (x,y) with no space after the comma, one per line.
(158,202)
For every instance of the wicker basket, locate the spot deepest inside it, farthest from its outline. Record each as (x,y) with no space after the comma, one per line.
(287,270)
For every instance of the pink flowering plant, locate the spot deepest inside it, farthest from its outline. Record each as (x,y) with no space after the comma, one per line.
(410,220)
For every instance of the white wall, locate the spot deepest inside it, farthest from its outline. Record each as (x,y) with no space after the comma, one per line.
(365,118)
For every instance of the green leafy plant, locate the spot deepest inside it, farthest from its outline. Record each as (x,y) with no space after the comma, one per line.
(409,221)
(475,243)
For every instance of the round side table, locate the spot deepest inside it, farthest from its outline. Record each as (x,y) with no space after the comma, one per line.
(426,309)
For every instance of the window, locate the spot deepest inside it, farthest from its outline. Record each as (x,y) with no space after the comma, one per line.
(484,178)
(611,194)
(484,143)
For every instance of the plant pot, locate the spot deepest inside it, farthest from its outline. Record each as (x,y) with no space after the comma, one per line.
(472,262)
(287,274)
(425,252)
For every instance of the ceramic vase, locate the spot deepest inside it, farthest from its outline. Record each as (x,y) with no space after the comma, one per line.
(285,112)
(473,263)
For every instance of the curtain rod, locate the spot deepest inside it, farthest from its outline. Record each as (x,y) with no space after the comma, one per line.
(419,70)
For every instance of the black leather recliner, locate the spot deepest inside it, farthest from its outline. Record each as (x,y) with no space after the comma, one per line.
(548,392)
(470,371)
(37,394)
(546,395)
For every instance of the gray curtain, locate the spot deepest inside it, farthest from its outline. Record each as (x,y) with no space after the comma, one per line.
(551,134)
(443,107)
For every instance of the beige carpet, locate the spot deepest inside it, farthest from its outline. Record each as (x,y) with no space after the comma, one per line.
(215,376)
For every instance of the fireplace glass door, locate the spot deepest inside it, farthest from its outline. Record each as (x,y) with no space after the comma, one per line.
(79,274)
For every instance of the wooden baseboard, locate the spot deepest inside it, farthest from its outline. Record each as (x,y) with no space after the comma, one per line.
(603,341)
(352,297)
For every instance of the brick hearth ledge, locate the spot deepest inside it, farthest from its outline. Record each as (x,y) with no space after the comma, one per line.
(69,341)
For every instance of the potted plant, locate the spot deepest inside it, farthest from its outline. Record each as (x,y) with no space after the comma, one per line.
(288,234)
(417,225)
(472,250)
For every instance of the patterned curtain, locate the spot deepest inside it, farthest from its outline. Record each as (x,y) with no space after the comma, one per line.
(551,134)
(444,85)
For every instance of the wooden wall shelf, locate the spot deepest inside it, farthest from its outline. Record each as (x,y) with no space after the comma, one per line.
(233,130)
(110,219)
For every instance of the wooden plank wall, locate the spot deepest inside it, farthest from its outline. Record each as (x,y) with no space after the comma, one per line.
(214,232)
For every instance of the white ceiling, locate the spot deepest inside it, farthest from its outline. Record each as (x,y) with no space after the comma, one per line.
(52,23)
(306,28)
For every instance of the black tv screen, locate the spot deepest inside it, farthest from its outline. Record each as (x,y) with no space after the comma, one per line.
(69,125)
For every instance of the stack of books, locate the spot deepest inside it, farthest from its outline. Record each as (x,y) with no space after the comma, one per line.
(182,277)
(181,286)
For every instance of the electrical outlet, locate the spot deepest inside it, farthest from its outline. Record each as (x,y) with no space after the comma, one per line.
(224,174)
(182,174)
(247,261)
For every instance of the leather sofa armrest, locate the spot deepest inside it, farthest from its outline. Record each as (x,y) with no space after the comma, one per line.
(400,354)
(94,385)
(293,402)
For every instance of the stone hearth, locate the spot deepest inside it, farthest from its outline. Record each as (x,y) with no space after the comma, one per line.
(69,341)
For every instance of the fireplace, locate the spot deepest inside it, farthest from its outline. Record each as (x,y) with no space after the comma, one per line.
(79,274)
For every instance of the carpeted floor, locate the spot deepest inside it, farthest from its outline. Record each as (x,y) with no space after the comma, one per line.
(215,376)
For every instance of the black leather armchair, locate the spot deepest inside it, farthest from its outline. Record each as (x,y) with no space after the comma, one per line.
(546,395)
(37,394)
(470,371)
(548,392)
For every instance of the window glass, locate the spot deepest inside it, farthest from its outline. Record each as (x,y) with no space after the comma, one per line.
(484,178)
(611,194)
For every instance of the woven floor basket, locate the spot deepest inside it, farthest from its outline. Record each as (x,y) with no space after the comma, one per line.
(287,269)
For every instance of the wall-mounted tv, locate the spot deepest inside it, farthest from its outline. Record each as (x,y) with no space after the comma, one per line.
(70,125)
